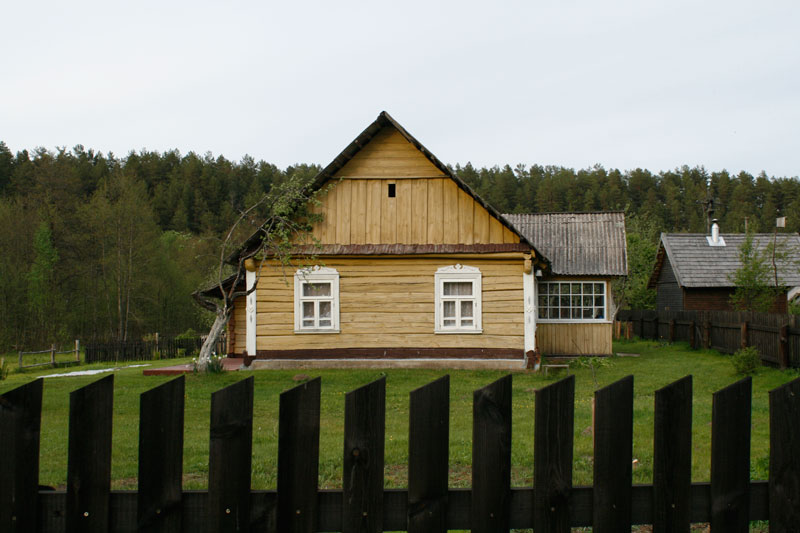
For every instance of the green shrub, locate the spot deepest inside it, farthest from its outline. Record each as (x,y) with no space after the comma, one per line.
(746,361)
(188,334)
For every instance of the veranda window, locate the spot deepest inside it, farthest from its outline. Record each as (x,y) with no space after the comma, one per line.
(572,301)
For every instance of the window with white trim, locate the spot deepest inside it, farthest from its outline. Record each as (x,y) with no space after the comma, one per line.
(572,301)
(316,300)
(458,299)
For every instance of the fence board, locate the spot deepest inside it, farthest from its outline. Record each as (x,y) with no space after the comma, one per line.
(161,457)
(89,457)
(730,457)
(298,458)
(230,457)
(784,457)
(428,461)
(552,455)
(613,452)
(20,425)
(362,480)
(491,456)
(672,457)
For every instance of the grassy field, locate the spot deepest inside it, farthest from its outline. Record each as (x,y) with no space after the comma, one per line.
(658,365)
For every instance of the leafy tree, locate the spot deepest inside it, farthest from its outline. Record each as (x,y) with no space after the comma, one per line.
(753,292)
(642,237)
(42,298)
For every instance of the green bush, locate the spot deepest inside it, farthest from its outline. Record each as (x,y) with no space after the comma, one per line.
(746,361)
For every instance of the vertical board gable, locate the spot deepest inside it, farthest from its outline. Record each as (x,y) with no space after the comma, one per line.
(389,155)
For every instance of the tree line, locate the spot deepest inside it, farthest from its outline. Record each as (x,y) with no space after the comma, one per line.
(97,246)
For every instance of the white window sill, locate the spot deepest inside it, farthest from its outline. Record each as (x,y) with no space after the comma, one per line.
(458,331)
(315,331)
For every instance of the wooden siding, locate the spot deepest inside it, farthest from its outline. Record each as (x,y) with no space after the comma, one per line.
(669,295)
(424,211)
(237,327)
(574,339)
(389,155)
(718,299)
(389,303)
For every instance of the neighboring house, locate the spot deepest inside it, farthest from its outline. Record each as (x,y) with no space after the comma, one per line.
(411,267)
(693,271)
(587,251)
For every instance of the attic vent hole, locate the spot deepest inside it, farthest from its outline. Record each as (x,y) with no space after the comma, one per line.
(391,190)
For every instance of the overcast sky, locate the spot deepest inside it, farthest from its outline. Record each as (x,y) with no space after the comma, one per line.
(623,84)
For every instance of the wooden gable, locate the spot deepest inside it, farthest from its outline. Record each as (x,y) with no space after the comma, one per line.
(427,205)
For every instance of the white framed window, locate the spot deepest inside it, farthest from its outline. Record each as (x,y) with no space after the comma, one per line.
(458,299)
(316,300)
(572,301)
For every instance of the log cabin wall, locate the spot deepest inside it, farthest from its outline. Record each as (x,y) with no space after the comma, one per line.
(237,327)
(388,302)
(390,193)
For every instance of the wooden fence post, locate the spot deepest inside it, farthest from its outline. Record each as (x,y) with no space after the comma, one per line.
(364,438)
(706,334)
(553,436)
(672,330)
(730,458)
(20,425)
(78,350)
(744,335)
(161,458)
(230,457)
(491,457)
(692,335)
(784,457)
(428,451)
(89,457)
(613,453)
(783,346)
(53,354)
(298,458)
(672,457)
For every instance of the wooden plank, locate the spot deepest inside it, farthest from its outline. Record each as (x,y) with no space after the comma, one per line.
(404,201)
(466,218)
(230,457)
(730,457)
(613,451)
(481,224)
(374,219)
(161,457)
(435,212)
(298,458)
(428,449)
(419,211)
(509,236)
(362,480)
(784,457)
(343,207)
(89,457)
(495,231)
(491,457)
(552,460)
(450,211)
(20,426)
(388,214)
(672,461)
(358,210)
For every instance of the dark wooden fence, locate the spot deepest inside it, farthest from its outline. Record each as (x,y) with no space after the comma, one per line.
(158,348)
(776,337)
(671,502)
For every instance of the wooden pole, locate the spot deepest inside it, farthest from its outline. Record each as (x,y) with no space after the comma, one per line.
(706,334)
(692,334)
(783,346)
(53,354)
(672,331)
(744,335)
(77,350)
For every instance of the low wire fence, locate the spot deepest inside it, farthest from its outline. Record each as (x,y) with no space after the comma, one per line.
(148,350)
(776,337)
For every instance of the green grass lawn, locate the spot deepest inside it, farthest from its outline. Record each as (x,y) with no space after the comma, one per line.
(657,366)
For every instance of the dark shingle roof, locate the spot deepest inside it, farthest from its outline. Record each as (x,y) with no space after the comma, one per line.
(578,244)
(697,264)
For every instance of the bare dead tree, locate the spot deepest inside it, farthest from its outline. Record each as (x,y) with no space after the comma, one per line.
(278,239)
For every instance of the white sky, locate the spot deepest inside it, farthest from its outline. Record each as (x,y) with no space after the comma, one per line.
(623,84)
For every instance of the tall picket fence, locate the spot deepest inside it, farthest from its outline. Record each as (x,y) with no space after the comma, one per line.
(553,504)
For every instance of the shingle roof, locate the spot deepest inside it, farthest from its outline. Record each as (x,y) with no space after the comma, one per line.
(697,264)
(578,244)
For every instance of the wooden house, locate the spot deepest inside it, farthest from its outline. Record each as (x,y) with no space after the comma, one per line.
(412,269)
(587,251)
(693,272)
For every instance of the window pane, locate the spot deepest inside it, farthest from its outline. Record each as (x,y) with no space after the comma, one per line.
(542,300)
(599,288)
(564,301)
(564,288)
(466,309)
(587,301)
(542,312)
(576,301)
(576,313)
(449,309)
(308,309)
(587,288)
(449,323)
(576,288)
(324,323)
(565,313)
(599,312)
(458,288)
(587,313)
(554,301)
(308,323)
(466,323)
(598,301)
(317,289)
(324,310)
